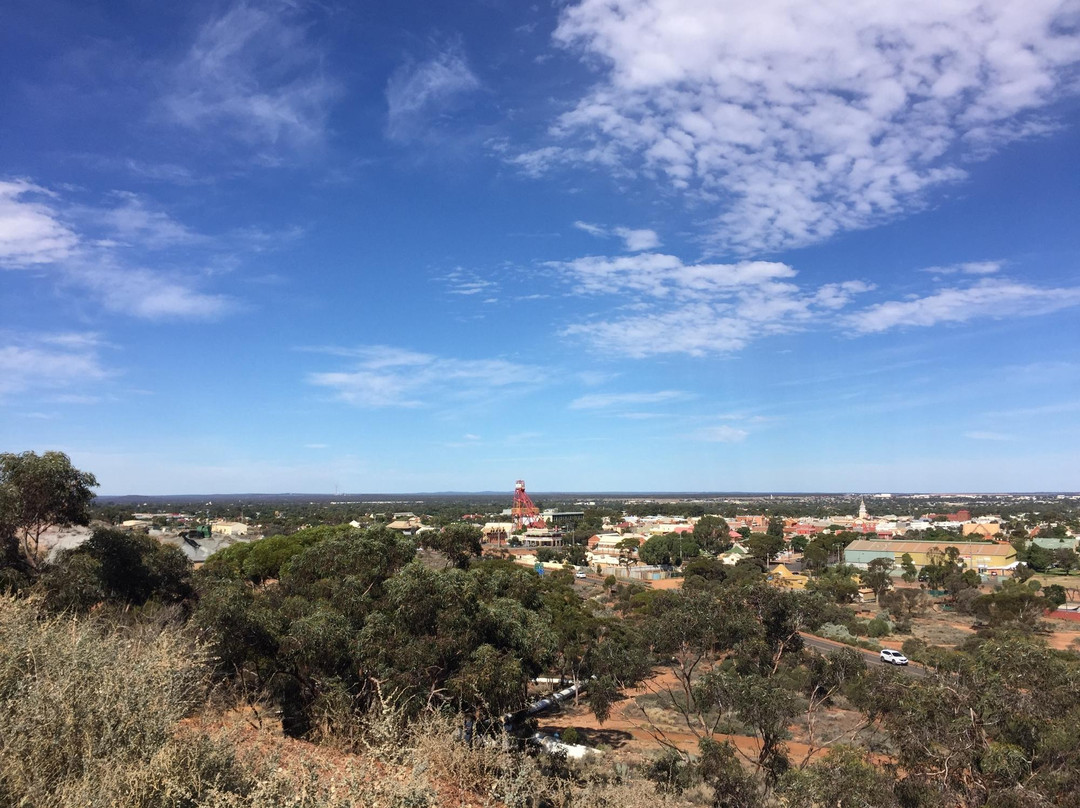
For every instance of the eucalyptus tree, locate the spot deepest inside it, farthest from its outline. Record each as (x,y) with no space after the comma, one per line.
(38,492)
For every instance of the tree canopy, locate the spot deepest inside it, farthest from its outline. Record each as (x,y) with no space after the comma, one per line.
(118,567)
(712,534)
(668,549)
(354,617)
(38,492)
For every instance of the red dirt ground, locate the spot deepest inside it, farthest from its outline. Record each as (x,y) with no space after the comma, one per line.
(630,731)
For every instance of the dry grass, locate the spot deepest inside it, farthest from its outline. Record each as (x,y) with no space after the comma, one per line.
(946,629)
(83,706)
(92,714)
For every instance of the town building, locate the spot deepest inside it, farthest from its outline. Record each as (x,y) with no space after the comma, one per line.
(497,531)
(783,578)
(407,525)
(990,557)
(733,556)
(1054,543)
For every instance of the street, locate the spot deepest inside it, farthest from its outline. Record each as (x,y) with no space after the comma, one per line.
(825,646)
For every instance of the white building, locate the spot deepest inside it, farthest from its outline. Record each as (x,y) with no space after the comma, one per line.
(229,528)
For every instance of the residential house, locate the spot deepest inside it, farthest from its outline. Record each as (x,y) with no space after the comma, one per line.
(780,576)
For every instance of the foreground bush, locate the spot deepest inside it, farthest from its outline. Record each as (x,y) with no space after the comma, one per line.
(88,712)
(92,714)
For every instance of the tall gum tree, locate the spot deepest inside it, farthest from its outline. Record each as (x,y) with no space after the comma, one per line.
(38,492)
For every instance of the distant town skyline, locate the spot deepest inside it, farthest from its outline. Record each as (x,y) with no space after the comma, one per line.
(630,246)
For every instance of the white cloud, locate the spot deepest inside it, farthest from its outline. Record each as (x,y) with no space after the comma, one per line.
(463,282)
(384,376)
(595,378)
(597,401)
(968,268)
(990,298)
(154,171)
(635,240)
(417,93)
(666,276)
(985,140)
(133,222)
(254,75)
(994,436)
(592,229)
(722,434)
(741,416)
(697,308)
(711,308)
(31,231)
(75,399)
(375,357)
(145,293)
(97,260)
(804,118)
(1037,411)
(35,363)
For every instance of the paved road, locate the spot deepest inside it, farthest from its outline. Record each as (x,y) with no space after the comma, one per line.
(871,657)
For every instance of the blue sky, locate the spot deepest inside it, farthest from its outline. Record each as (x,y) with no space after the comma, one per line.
(612,245)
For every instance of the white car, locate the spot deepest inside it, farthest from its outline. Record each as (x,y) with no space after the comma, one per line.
(579,574)
(893,657)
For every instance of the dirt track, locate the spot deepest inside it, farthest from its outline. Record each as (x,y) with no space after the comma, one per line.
(630,731)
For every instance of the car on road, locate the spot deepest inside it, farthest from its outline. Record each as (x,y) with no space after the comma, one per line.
(579,574)
(892,657)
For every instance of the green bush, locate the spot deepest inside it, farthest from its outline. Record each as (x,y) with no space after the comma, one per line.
(670,772)
(119,567)
(877,628)
(1055,593)
(834,631)
(571,735)
(902,626)
(857,626)
(914,649)
(263,560)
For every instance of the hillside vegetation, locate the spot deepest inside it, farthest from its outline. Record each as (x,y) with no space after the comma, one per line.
(337,667)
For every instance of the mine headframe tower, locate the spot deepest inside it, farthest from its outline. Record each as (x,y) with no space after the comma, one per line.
(524,513)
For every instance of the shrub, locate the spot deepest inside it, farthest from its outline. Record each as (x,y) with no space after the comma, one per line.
(571,735)
(90,715)
(877,628)
(86,709)
(265,558)
(943,659)
(837,632)
(902,627)
(670,772)
(117,566)
(965,598)
(857,627)
(914,649)
(832,631)
(1055,593)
